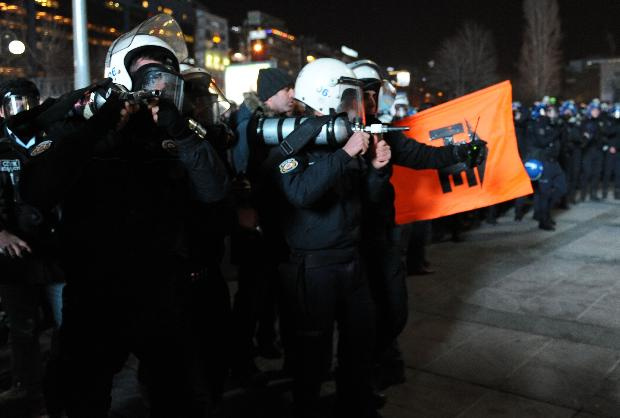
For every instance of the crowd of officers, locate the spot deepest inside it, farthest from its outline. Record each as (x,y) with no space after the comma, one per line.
(115,202)
(573,150)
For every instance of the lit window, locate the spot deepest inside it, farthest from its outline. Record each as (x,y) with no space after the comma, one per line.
(145,4)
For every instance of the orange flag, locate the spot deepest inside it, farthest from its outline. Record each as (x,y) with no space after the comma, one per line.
(429,194)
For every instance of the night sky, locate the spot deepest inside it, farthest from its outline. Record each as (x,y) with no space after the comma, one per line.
(409,32)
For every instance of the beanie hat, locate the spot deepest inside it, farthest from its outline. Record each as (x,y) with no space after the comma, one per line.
(270,81)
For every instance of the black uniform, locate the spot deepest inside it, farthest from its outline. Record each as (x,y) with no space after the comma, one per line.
(544,140)
(592,130)
(571,154)
(25,280)
(128,200)
(382,237)
(614,141)
(610,153)
(325,280)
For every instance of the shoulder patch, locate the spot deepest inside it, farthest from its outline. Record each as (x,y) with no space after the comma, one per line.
(288,165)
(170,146)
(41,148)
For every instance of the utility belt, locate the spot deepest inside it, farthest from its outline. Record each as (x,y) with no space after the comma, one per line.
(322,258)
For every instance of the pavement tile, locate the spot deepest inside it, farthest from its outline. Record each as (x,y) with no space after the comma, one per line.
(504,405)
(496,299)
(605,312)
(429,396)
(559,308)
(488,358)
(583,212)
(424,341)
(602,243)
(606,401)
(563,373)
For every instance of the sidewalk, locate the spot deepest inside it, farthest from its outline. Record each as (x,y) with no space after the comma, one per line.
(518,322)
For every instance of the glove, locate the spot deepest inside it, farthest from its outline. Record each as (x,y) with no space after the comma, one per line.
(170,120)
(472,153)
(108,116)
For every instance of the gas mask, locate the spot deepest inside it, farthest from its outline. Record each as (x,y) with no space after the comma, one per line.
(163,78)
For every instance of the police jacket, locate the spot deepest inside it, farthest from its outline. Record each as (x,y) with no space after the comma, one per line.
(571,133)
(543,140)
(326,191)
(35,226)
(594,133)
(127,196)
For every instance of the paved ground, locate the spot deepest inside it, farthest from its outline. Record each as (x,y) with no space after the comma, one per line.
(516,322)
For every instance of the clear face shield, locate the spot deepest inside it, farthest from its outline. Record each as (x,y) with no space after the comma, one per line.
(387,95)
(12,104)
(204,101)
(352,100)
(160,77)
(161,26)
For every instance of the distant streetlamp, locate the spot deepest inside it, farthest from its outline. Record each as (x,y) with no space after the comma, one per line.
(17,47)
(14,45)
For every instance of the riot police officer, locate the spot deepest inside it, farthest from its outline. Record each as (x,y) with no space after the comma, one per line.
(382,237)
(325,281)
(128,178)
(544,142)
(593,134)
(614,145)
(28,252)
(571,140)
(610,148)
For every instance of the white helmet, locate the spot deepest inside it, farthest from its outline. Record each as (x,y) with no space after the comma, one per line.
(400,107)
(366,69)
(328,85)
(160,31)
(203,98)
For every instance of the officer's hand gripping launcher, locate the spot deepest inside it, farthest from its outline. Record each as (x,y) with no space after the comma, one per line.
(335,132)
(95,99)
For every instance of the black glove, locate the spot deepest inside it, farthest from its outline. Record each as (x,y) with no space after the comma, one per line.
(170,119)
(472,153)
(108,116)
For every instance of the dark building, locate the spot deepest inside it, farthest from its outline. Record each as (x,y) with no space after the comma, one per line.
(45,28)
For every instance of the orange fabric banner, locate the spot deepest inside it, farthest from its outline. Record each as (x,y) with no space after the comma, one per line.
(429,194)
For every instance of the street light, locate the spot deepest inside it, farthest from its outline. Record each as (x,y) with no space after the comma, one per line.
(9,40)
(17,47)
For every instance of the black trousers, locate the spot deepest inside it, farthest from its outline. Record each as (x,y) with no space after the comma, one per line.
(106,315)
(387,278)
(254,310)
(573,171)
(591,169)
(611,171)
(322,289)
(551,188)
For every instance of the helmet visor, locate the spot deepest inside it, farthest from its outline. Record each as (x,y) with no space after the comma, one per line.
(352,99)
(204,100)
(387,95)
(158,77)
(161,26)
(14,104)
